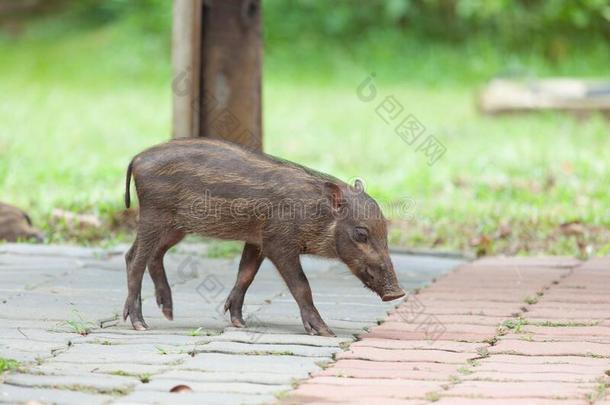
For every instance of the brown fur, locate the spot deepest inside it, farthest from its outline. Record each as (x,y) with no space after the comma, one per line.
(280,209)
(16,225)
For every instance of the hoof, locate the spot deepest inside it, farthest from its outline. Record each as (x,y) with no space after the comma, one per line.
(168,313)
(139,325)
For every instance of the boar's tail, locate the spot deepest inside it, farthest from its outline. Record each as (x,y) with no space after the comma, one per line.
(127,184)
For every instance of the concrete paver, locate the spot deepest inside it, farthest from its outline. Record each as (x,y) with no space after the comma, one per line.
(49,295)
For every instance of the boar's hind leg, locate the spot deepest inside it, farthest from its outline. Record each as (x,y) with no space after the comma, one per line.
(136,259)
(251,259)
(156,269)
(289,267)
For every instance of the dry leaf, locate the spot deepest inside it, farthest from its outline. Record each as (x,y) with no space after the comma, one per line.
(181,389)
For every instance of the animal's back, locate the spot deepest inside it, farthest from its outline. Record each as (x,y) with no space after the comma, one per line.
(221,167)
(219,189)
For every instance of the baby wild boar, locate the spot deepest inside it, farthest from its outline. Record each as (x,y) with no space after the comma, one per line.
(279,209)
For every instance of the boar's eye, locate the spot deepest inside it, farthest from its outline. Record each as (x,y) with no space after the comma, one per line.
(361,235)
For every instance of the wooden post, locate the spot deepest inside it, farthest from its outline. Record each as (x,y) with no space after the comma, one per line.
(217,60)
(186,50)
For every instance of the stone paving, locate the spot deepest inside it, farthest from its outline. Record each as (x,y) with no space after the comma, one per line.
(59,318)
(496,331)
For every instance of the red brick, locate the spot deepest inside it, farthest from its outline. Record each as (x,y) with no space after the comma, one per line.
(460,319)
(493,389)
(497,401)
(418,344)
(596,263)
(454,327)
(342,389)
(376,373)
(541,261)
(550,348)
(490,365)
(503,376)
(373,354)
(422,335)
(545,360)
(397,362)
(301,399)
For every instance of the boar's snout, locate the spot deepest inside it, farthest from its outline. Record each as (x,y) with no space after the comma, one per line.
(393,295)
(383,281)
(392,289)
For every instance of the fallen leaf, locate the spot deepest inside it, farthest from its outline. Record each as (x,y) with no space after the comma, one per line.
(181,389)
(78,220)
(572,228)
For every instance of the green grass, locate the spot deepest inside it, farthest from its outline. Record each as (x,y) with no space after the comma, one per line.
(8,365)
(76,107)
(78,324)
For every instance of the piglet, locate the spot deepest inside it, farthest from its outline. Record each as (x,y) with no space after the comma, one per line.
(280,209)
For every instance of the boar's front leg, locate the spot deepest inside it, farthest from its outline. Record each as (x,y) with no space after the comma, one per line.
(289,267)
(251,259)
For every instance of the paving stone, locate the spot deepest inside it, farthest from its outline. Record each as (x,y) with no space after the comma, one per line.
(337,388)
(503,376)
(374,354)
(249,363)
(572,360)
(230,377)
(353,401)
(43,287)
(101,383)
(50,250)
(400,370)
(565,365)
(600,334)
(13,395)
(165,385)
(550,348)
(241,336)
(593,314)
(447,345)
(146,338)
(141,354)
(458,319)
(499,401)
(492,389)
(67,369)
(541,261)
(208,398)
(273,349)
(596,263)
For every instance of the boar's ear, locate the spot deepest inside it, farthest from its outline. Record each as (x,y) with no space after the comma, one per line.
(335,195)
(359,185)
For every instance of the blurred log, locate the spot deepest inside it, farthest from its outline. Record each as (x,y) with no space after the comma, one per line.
(572,95)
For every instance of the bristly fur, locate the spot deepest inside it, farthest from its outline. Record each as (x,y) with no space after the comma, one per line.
(280,210)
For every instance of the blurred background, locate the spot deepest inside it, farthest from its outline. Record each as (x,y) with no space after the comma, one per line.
(85,85)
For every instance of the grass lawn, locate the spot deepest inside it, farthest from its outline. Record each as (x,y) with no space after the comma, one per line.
(74,110)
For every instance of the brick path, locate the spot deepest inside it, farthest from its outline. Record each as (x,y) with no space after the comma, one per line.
(495,331)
